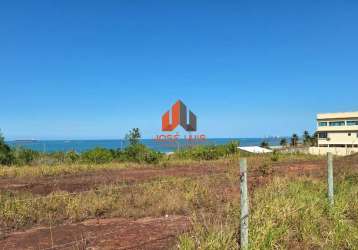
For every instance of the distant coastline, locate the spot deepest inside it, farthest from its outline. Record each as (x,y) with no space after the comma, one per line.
(25,141)
(83,145)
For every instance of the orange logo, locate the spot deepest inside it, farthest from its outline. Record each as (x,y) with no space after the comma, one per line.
(179,117)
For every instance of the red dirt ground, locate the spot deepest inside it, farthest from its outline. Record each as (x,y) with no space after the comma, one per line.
(145,233)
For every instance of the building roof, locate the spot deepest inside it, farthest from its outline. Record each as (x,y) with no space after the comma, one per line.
(342,115)
(256,149)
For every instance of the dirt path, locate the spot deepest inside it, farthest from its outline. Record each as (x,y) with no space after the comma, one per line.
(145,233)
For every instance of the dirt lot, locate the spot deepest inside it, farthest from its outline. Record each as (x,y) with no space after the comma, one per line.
(145,233)
(86,181)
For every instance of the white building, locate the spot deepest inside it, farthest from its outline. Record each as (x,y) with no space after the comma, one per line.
(337,133)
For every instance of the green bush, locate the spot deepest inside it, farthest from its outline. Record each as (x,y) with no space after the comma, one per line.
(71,157)
(140,153)
(275,156)
(208,152)
(6,157)
(24,156)
(97,156)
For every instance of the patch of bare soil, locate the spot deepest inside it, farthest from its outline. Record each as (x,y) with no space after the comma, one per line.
(145,233)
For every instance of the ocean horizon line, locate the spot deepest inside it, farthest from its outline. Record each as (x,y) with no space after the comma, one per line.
(84,145)
(142,139)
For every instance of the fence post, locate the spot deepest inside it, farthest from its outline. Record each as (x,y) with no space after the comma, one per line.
(244,202)
(330,178)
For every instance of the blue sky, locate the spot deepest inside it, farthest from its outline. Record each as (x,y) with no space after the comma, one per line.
(95,69)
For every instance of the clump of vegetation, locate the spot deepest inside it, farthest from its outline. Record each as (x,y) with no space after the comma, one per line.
(208,152)
(265,144)
(138,152)
(265,168)
(275,155)
(294,140)
(283,142)
(310,140)
(72,157)
(24,156)
(6,157)
(98,156)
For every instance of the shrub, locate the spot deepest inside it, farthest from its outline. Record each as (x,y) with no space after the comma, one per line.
(6,157)
(24,156)
(72,157)
(275,156)
(208,152)
(97,156)
(152,157)
(265,168)
(265,144)
(140,153)
(133,136)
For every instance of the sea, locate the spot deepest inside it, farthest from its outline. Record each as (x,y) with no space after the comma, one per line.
(83,145)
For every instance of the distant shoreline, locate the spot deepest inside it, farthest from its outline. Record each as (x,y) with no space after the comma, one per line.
(83,145)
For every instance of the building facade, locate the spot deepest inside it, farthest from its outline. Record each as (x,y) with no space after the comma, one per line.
(337,133)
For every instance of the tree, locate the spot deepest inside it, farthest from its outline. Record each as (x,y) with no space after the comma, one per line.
(294,140)
(133,136)
(283,142)
(314,139)
(138,152)
(307,140)
(5,152)
(265,144)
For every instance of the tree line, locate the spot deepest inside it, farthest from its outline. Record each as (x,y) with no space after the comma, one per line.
(294,141)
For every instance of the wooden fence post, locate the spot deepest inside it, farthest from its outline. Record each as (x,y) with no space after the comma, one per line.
(244,202)
(330,178)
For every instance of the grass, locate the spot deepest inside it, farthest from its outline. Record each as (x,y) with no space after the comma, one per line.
(285,215)
(156,198)
(57,170)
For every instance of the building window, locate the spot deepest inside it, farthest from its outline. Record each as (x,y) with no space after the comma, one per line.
(337,145)
(352,123)
(337,123)
(322,135)
(322,124)
(349,134)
